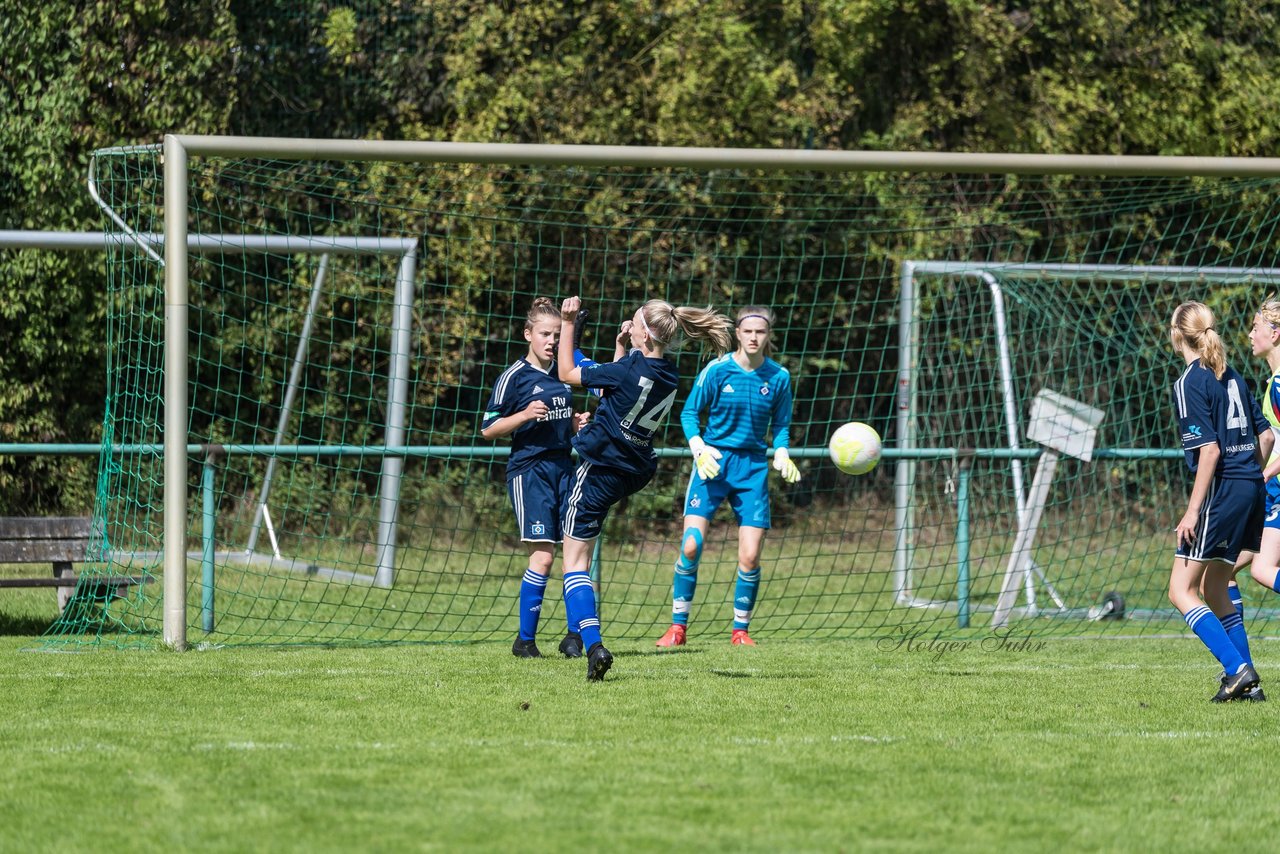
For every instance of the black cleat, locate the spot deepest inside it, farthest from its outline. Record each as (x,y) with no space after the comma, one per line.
(571,646)
(1237,686)
(1255,694)
(525,649)
(579,323)
(599,660)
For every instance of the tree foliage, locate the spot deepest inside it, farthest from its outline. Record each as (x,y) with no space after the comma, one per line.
(1087,76)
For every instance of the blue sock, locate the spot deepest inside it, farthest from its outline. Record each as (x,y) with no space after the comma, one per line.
(683,586)
(1275,583)
(685,581)
(580,603)
(1233,625)
(1233,590)
(532,589)
(744,596)
(1209,629)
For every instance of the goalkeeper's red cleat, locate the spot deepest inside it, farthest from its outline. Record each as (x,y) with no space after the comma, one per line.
(741,638)
(673,637)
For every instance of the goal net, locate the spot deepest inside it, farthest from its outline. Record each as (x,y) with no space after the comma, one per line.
(346,319)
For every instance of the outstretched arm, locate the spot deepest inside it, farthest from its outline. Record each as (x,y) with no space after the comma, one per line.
(564,351)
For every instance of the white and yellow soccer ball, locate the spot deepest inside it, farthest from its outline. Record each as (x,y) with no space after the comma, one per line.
(855,448)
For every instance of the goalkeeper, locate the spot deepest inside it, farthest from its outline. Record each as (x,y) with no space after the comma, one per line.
(746,395)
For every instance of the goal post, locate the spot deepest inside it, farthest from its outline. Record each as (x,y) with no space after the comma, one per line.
(1014,401)
(842,244)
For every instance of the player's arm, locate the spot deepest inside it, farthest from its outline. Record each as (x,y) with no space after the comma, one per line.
(565,367)
(781,426)
(1205,468)
(622,342)
(706,459)
(1194,421)
(693,405)
(506,425)
(1261,429)
(1270,471)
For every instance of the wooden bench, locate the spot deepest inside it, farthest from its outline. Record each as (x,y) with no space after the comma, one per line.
(62,542)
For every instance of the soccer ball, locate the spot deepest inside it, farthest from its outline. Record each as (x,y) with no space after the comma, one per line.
(855,448)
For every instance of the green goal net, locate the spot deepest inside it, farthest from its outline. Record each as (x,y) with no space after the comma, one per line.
(348,319)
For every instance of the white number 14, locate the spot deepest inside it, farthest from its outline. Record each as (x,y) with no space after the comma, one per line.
(652,419)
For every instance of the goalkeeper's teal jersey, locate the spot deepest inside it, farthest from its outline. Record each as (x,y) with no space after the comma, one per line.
(742,406)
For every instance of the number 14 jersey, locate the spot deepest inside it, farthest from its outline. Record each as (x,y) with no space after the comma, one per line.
(638,392)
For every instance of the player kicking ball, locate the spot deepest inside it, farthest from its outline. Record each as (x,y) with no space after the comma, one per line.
(615,449)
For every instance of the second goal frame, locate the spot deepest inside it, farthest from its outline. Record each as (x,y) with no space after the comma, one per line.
(177,149)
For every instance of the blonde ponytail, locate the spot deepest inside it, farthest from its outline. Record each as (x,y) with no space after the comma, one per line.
(662,320)
(1192,326)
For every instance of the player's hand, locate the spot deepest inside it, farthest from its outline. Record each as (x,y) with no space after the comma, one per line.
(580,420)
(569,309)
(782,462)
(1186,530)
(624,335)
(536,411)
(706,459)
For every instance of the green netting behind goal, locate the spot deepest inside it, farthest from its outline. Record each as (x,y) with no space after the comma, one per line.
(348,320)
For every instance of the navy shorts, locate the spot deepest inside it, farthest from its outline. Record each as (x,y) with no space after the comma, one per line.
(595,489)
(1230,522)
(538,497)
(743,479)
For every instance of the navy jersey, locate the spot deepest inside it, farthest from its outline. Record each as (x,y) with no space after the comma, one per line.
(1212,410)
(549,436)
(637,392)
(742,406)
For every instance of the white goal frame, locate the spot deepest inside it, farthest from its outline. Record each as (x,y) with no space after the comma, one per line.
(989,274)
(178,148)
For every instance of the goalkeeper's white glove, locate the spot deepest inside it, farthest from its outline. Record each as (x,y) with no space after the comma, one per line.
(782,462)
(706,459)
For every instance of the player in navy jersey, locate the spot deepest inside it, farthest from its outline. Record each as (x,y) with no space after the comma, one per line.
(615,450)
(531,404)
(747,397)
(1264,336)
(1220,424)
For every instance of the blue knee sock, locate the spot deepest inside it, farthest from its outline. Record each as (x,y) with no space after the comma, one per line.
(683,586)
(580,603)
(1211,633)
(685,581)
(532,589)
(1233,625)
(744,596)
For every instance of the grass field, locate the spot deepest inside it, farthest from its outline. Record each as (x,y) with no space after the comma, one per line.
(889,744)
